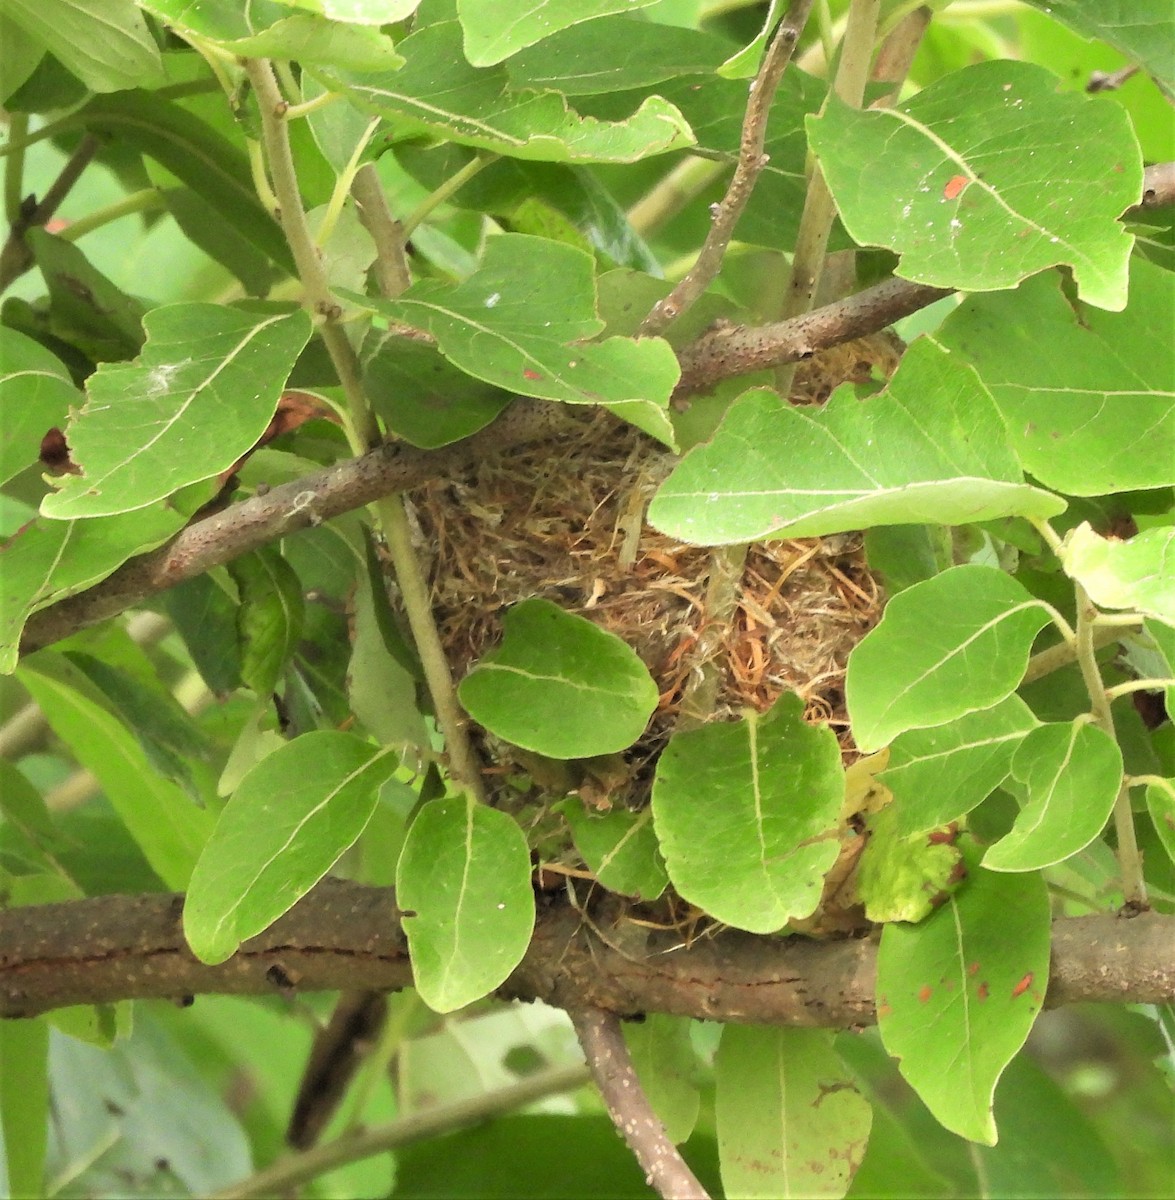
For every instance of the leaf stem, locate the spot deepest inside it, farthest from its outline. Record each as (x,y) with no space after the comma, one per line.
(450,187)
(1137,685)
(342,188)
(1129,859)
(296,111)
(142,201)
(284,1176)
(672,193)
(751,161)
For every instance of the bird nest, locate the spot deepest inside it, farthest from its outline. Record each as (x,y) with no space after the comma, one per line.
(563,520)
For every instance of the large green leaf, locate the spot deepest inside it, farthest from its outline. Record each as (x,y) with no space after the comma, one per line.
(522,321)
(105,43)
(492,34)
(952,645)
(790,1121)
(932,447)
(962,180)
(264,29)
(287,823)
(1086,394)
(1141,29)
(45,561)
(439,92)
(1138,574)
(560,685)
(169,829)
(745,814)
(35,394)
(1071,772)
(958,994)
(198,397)
(938,774)
(463,885)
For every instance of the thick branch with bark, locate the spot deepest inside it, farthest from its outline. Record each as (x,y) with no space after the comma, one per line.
(349,936)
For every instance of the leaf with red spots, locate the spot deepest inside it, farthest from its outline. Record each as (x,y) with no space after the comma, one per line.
(953,1042)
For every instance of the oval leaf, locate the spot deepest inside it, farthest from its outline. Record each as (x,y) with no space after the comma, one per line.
(932,447)
(463,884)
(560,686)
(946,647)
(960,180)
(790,1121)
(619,848)
(745,813)
(1072,773)
(197,398)
(957,994)
(1138,574)
(287,823)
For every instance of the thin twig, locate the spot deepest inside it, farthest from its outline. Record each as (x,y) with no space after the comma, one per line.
(391,263)
(751,161)
(897,52)
(296,1169)
(819,207)
(16,257)
(611,1067)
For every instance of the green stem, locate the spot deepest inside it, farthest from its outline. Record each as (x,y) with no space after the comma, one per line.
(1129,859)
(450,187)
(18,128)
(296,1169)
(296,111)
(342,188)
(142,201)
(672,193)
(1137,685)
(362,427)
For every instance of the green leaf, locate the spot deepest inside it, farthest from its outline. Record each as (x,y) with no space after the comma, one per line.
(1160,803)
(952,645)
(168,828)
(267,30)
(85,308)
(205,616)
(619,848)
(194,153)
(1138,574)
(1086,394)
(1140,29)
(22,53)
(35,395)
(492,35)
(560,685)
(522,320)
(667,1066)
(423,397)
(287,823)
(790,1120)
(1071,773)
(45,561)
(463,885)
(745,813)
(615,53)
(269,618)
(105,43)
(439,92)
(932,447)
(961,180)
(958,993)
(904,877)
(24,1104)
(939,774)
(198,397)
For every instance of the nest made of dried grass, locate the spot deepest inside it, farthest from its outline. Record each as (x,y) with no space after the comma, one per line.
(563,520)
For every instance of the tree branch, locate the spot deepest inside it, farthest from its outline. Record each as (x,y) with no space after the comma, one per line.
(611,1067)
(347,935)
